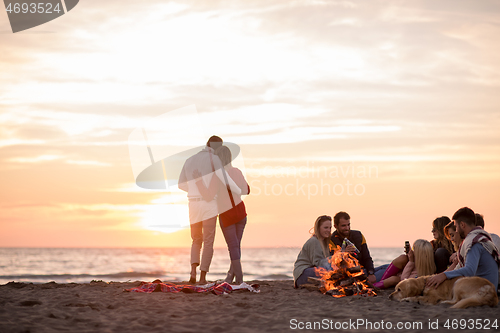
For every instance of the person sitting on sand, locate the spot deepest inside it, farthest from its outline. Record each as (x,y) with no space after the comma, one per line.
(452,235)
(314,253)
(443,248)
(397,265)
(478,255)
(494,237)
(418,262)
(342,223)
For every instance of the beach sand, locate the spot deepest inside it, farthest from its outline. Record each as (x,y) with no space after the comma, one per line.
(106,307)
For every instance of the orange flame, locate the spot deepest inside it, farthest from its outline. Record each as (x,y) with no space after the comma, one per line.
(332,280)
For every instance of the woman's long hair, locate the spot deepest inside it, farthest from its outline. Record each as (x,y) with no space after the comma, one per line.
(442,241)
(225,155)
(451,226)
(424,257)
(325,244)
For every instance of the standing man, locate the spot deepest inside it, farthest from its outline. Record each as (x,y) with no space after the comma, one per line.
(203,214)
(477,255)
(342,223)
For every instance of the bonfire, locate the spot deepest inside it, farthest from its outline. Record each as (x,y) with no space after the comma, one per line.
(346,277)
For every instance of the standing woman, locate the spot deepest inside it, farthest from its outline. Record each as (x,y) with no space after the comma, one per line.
(314,252)
(232,212)
(443,248)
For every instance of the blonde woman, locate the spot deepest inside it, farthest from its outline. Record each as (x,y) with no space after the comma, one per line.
(315,251)
(418,262)
(421,260)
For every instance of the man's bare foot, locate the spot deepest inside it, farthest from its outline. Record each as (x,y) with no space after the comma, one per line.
(192,276)
(203,278)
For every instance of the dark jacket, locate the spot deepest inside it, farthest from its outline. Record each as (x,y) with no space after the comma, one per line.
(357,238)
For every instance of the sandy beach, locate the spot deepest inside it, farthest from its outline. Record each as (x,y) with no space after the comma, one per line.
(106,307)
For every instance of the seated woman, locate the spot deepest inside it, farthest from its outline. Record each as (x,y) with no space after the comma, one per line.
(419,262)
(452,235)
(443,248)
(314,253)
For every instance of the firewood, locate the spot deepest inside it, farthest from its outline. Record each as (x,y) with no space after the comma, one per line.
(310,287)
(346,282)
(361,277)
(313,280)
(368,283)
(355,269)
(349,292)
(337,276)
(334,292)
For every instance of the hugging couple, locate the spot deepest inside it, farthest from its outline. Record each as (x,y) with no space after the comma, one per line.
(214,187)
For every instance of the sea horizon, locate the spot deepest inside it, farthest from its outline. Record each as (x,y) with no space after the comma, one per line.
(82,265)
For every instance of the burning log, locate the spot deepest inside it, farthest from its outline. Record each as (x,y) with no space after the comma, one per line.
(310,287)
(355,269)
(313,280)
(344,292)
(346,278)
(346,282)
(336,276)
(334,293)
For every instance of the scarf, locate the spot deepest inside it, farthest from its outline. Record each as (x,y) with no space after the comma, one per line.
(477,235)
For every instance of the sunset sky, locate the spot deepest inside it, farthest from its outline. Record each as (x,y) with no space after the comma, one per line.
(388,110)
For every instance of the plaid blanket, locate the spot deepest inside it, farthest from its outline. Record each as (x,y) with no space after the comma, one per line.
(215,288)
(477,235)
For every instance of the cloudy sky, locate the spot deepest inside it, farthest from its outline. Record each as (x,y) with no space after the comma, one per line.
(388,110)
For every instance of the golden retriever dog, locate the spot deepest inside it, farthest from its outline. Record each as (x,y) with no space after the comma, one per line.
(462,292)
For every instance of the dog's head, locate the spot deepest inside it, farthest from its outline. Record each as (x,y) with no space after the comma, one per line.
(408,288)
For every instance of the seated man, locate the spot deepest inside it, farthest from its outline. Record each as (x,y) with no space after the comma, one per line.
(494,237)
(342,223)
(478,256)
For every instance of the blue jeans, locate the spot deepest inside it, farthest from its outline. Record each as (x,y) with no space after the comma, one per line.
(233,235)
(380,270)
(302,279)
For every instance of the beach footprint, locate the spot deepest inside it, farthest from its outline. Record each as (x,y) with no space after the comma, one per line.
(30,303)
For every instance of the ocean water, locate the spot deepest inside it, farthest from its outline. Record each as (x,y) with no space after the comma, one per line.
(82,265)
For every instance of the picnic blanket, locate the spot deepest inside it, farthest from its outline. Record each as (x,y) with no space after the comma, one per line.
(215,288)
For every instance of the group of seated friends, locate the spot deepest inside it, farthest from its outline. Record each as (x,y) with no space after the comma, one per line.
(460,248)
